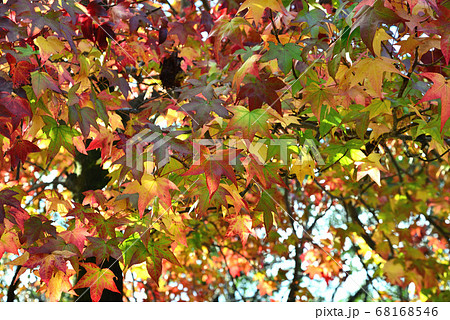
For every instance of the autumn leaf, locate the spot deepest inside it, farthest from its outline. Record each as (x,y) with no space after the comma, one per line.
(96,280)
(249,122)
(369,18)
(19,71)
(18,107)
(284,54)
(75,236)
(303,166)
(240,225)
(60,135)
(47,263)
(256,8)
(371,69)
(159,250)
(102,250)
(439,90)
(371,167)
(42,81)
(394,272)
(250,66)
(85,117)
(214,165)
(20,150)
(318,95)
(59,283)
(149,188)
(48,46)
(9,241)
(7,198)
(262,91)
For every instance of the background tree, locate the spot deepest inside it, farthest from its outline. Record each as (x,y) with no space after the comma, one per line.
(322,173)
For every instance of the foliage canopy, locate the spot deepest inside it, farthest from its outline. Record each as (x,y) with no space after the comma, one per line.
(225,150)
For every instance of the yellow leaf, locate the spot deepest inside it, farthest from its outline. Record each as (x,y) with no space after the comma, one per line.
(49,46)
(249,66)
(394,271)
(371,69)
(256,8)
(303,166)
(380,35)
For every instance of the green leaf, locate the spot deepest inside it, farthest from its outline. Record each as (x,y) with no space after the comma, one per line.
(249,122)
(60,135)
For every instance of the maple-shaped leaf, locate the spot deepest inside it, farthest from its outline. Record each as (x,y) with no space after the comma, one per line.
(262,91)
(86,117)
(200,110)
(370,166)
(439,90)
(240,225)
(19,71)
(200,191)
(102,249)
(42,81)
(60,135)
(103,141)
(18,107)
(284,54)
(134,250)
(317,96)
(96,279)
(249,122)
(256,8)
(394,272)
(9,240)
(36,227)
(303,166)
(19,151)
(59,283)
(271,174)
(7,199)
(149,188)
(371,69)
(214,166)
(76,236)
(47,264)
(105,227)
(48,46)
(158,250)
(370,17)
(254,169)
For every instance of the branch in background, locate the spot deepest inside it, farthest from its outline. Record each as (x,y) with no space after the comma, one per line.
(11,295)
(231,276)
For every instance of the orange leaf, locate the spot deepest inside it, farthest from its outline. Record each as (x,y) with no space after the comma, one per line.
(149,188)
(96,280)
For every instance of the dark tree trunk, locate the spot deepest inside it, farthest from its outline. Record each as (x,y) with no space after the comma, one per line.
(93,177)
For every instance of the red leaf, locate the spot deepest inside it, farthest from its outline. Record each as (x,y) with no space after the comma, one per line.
(96,9)
(214,166)
(77,237)
(47,264)
(19,71)
(20,150)
(262,91)
(96,280)
(104,31)
(439,90)
(17,106)
(7,198)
